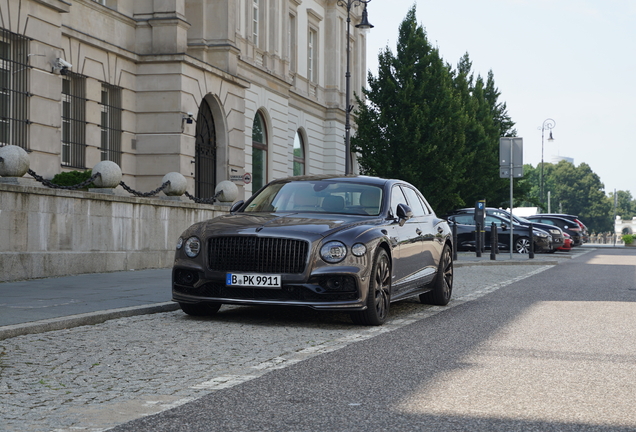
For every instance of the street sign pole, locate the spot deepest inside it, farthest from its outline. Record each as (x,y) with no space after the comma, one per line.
(511,166)
(511,187)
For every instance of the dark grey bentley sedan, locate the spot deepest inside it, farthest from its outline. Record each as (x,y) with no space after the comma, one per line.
(348,243)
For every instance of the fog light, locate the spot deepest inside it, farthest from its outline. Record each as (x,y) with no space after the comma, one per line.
(186,277)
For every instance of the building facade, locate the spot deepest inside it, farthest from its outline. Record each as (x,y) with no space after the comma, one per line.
(241,90)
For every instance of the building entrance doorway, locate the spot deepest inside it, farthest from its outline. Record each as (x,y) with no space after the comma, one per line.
(205,153)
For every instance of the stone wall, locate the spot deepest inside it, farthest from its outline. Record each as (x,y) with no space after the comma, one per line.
(51,232)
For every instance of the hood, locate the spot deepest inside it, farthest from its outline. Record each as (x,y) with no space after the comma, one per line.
(279,224)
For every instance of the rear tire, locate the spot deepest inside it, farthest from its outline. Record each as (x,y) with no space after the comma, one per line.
(442,290)
(379,295)
(200,309)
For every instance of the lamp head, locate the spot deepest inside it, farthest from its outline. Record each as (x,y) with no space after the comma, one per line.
(364,22)
(550,138)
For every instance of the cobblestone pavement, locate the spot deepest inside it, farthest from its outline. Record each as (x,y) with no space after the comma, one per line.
(92,378)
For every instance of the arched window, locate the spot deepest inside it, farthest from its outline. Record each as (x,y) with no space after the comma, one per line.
(299,154)
(259,152)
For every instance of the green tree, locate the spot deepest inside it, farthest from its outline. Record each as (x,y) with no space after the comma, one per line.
(412,123)
(625,204)
(488,120)
(574,190)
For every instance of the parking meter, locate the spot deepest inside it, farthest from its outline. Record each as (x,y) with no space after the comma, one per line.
(480,221)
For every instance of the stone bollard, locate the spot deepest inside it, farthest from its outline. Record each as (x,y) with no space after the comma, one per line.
(176,188)
(108,179)
(14,163)
(229,191)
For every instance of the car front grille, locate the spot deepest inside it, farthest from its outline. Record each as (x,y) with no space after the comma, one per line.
(258,254)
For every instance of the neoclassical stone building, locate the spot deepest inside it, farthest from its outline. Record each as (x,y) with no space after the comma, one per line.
(213,89)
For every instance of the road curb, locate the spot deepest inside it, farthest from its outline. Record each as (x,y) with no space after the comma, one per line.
(495,263)
(89,318)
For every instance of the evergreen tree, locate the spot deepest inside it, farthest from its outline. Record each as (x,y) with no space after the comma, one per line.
(412,124)
(487,122)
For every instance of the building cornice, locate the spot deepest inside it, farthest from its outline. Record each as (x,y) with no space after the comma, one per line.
(315,15)
(56,5)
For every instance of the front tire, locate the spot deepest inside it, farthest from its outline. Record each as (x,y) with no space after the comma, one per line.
(522,245)
(379,295)
(442,290)
(200,309)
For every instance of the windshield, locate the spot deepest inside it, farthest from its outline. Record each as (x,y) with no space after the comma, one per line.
(318,196)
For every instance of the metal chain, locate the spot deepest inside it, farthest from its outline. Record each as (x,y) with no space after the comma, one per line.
(45,182)
(146,194)
(204,200)
(125,186)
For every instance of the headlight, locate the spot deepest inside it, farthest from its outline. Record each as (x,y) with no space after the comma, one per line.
(358,249)
(555,232)
(333,252)
(192,247)
(180,243)
(540,234)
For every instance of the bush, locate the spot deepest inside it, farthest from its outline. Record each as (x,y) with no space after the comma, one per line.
(628,239)
(71,178)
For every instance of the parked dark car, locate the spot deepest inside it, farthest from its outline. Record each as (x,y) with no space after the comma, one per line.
(569,226)
(555,232)
(575,218)
(521,234)
(349,243)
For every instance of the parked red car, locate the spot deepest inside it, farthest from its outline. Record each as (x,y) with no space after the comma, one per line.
(567,243)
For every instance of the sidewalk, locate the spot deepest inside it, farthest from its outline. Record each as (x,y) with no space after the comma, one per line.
(40,305)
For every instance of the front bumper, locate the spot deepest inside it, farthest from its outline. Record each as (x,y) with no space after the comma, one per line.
(342,290)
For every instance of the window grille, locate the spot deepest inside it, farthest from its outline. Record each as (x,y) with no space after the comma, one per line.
(255,21)
(111,123)
(14,87)
(311,56)
(74,120)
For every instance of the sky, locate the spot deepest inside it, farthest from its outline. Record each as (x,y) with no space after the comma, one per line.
(573,61)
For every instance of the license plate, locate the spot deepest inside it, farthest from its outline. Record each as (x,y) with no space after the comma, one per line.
(253,280)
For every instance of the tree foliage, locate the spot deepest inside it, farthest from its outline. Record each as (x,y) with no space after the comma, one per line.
(433,126)
(625,204)
(574,190)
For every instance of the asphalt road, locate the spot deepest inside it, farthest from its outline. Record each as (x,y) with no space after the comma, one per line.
(552,352)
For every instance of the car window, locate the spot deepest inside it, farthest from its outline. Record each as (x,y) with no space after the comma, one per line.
(414,202)
(464,219)
(397,197)
(427,207)
(491,219)
(324,196)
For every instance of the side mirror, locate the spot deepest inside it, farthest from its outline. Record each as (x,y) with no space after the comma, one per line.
(404,213)
(504,226)
(237,205)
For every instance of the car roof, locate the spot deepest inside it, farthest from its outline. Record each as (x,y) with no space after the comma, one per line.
(348,178)
(546,216)
(561,215)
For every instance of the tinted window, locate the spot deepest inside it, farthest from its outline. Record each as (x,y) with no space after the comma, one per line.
(318,196)
(397,197)
(414,202)
(491,219)
(464,219)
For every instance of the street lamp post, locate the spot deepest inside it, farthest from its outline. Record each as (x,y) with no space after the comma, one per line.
(364,25)
(548,124)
